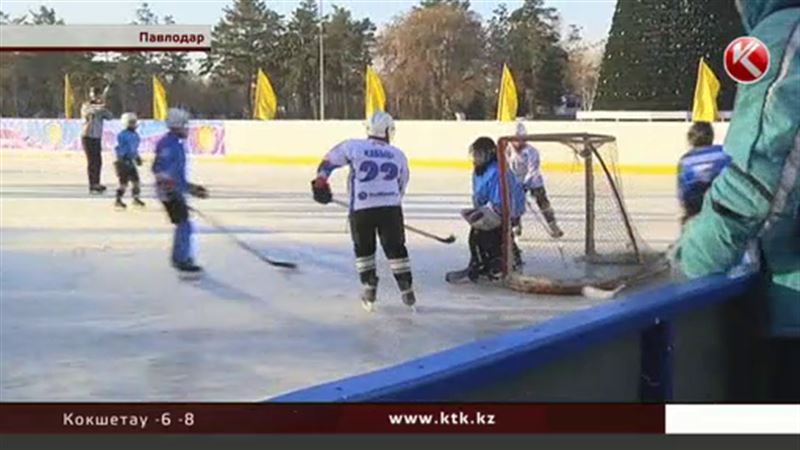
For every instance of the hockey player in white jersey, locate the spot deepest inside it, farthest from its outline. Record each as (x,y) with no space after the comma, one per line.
(377,183)
(524,162)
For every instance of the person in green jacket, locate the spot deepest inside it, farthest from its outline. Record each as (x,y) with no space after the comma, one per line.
(755,202)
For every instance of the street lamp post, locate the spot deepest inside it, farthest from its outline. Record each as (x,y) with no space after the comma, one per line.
(321,66)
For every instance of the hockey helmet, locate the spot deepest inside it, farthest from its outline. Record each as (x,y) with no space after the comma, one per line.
(128,119)
(381,125)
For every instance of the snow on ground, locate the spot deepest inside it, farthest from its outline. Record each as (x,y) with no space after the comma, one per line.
(90,309)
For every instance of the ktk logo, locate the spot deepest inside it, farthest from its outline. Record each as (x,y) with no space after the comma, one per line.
(746,60)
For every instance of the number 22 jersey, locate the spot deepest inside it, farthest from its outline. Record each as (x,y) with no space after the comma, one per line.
(378,172)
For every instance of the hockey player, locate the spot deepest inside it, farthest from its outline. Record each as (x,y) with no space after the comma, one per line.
(698,168)
(93,113)
(378,179)
(169,168)
(523,159)
(486,231)
(127,159)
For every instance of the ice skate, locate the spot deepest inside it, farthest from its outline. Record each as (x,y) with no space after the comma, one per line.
(137,202)
(97,189)
(554,230)
(457,276)
(120,205)
(494,269)
(368,297)
(188,270)
(409,298)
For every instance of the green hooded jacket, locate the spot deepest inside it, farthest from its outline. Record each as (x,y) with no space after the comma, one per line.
(758,196)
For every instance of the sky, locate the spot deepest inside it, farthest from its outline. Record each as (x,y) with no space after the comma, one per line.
(594,16)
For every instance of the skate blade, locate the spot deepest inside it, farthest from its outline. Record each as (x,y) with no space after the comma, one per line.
(192,276)
(368,306)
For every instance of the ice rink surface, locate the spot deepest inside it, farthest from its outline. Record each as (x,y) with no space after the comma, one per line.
(90,309)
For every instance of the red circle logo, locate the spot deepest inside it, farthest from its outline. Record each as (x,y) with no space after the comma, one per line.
(746,60)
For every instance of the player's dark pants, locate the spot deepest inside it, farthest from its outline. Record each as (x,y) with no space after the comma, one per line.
(692,203)
(540,195)
(127,172)
(485,248)
(178,212)
(387,223)
(94,159)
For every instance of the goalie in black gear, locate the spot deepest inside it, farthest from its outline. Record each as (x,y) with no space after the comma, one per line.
(485,217)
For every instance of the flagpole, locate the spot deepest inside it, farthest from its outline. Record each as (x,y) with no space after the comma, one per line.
(321,67)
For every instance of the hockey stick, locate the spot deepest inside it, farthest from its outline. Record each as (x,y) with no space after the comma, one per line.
(597,293)
(539,219)
(444,240)
(244,246)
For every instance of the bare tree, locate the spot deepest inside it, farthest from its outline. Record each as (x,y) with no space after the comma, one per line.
(583,66)
(432,61)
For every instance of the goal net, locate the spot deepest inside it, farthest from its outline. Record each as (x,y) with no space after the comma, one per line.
(600,245)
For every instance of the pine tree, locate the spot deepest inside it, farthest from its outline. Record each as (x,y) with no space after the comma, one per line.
(528,41)
(246,39)
(302,65)
(347,45)
(653,50)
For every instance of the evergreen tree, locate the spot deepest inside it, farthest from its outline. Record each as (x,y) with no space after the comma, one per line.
(347,46)
(301,85)
(528,41)
(653,50)
(174,65)
(246,39)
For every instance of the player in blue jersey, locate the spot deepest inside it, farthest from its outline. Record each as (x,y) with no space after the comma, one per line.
(698,168)
(378,179)
(172,186)
(485,217)
(128,158)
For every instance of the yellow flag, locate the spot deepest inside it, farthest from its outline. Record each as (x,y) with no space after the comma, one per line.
(69,97)
(507,101)
(265,106)
(159,100)
(375,98)
(706,90)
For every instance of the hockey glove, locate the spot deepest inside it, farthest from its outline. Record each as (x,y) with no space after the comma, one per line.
(138,160)
(321,190)
(198,191)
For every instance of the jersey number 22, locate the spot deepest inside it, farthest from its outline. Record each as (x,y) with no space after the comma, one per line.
(371,169)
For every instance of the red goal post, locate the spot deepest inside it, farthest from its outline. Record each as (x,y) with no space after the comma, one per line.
(604,257)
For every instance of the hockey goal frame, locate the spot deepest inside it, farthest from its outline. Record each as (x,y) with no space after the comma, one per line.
(585,146)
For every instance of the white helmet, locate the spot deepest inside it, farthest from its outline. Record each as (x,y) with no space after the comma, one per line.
(177,118)
(381,125)
(521,131)
(128,118)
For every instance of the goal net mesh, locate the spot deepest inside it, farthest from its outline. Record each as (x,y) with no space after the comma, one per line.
(600,245)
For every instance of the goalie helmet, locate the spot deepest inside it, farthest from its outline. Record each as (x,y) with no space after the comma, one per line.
(128,119)
(483,151)
(381,125)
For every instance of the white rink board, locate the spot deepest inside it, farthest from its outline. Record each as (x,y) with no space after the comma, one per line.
(656,145)
(91,311)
